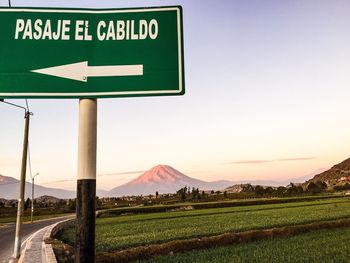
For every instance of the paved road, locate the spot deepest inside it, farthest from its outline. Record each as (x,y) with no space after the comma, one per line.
(7,236)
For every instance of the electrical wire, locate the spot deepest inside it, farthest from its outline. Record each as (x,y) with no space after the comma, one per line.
(27,106)
(29,162)
(27,111)
(28,149)
(15,105)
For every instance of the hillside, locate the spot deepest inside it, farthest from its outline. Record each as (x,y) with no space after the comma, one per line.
(9,189)
(339,174)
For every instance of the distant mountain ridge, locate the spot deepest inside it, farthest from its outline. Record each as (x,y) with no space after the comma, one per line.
(7,180)
(166,179)
(162,179)
(9,189)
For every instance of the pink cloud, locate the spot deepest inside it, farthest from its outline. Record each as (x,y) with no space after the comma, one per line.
(272,161)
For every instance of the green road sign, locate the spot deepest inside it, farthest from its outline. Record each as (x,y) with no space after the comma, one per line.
(91,53)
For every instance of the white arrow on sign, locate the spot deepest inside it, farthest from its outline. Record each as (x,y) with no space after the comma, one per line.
(81,71)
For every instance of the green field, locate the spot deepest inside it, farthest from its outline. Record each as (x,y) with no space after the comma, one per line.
(214,204)
(134,230)
(319,246)
(12,219)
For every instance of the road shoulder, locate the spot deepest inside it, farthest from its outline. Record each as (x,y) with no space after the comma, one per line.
(36,250)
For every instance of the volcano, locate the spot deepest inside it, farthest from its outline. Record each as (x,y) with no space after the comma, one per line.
(164,179)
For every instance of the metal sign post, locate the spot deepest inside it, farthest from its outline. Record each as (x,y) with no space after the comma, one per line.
(86,184)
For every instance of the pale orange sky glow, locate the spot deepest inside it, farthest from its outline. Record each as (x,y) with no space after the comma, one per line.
(267,98)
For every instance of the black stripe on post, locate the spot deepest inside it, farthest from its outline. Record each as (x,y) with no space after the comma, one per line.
(85,221)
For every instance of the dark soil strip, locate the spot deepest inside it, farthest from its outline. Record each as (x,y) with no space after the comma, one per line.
(179,246)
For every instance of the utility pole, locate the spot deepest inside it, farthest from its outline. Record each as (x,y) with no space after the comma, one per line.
(17,248)
(20,205)
(32,210)
(86,183)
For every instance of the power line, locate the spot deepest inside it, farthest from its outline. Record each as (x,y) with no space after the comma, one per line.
(29,161)
(15,105)
(27,111)
(28,150)
(27,105)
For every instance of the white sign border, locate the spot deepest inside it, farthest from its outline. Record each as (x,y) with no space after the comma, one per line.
(106,94)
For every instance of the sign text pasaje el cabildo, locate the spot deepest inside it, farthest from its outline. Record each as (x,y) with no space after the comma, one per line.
(91,53)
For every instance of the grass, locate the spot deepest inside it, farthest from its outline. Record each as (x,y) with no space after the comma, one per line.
(181,246)
(216,204)
(12,219)
(319,246)
(135,230)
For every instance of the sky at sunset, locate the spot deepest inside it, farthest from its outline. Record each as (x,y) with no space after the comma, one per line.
(267,98)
